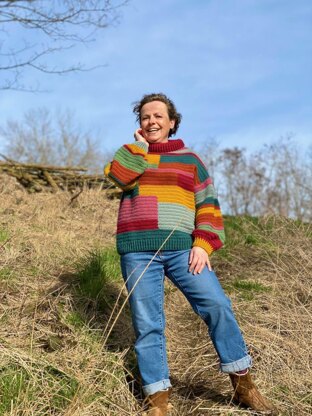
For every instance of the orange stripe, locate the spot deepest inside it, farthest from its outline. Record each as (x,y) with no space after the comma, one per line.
(174,194)
(122,173)
(209,219)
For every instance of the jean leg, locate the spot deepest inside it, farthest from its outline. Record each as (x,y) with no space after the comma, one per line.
(147,310)
(209,301)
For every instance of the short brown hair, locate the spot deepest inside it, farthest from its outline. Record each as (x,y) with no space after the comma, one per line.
(172,111)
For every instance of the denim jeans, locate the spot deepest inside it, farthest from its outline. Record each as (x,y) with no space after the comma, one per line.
(204,293)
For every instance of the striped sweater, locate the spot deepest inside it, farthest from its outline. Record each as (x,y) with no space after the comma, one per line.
(166,188)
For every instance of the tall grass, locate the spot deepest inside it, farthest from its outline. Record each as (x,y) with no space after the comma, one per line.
(59,283)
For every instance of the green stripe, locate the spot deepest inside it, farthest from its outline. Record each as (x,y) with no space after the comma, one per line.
(220,233)
(206,194)
(175,215)
(142,145)
(136,163)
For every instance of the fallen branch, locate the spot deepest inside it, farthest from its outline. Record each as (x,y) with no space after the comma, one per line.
(38,177)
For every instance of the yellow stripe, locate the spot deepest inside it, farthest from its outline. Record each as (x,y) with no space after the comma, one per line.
(199,242)
(153,159)
(107,168)
(137,149)
(169,193)
(209,210)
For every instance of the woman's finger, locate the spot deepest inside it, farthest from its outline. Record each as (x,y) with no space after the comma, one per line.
(192,266)
(209,265)
(200,264)
(191,256)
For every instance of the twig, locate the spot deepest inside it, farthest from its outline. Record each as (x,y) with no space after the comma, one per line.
(3,245)
(72,199)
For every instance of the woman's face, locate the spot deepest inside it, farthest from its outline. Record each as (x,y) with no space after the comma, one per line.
(155,122)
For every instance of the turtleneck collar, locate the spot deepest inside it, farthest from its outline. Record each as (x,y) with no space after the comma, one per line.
(169,146)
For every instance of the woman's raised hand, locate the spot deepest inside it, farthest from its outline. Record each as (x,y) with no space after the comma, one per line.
(138,135)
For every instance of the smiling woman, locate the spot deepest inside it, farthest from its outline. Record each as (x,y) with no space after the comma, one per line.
(169,223)
(158,118)
(155,122)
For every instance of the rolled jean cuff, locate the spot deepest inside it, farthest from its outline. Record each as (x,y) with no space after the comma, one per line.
(238,365)
(155,387)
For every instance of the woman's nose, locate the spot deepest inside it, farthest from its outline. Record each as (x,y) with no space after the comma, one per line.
(152,120)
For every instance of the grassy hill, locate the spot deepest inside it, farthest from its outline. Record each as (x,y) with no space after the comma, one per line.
(66,335)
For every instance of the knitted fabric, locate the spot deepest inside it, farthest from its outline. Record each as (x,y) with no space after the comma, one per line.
(166,188)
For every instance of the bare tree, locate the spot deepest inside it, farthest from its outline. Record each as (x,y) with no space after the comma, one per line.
(289,171)
(57,25)
(243,180)
(275,179)
(40,138)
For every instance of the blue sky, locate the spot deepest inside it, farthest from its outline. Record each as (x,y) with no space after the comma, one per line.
(238,70)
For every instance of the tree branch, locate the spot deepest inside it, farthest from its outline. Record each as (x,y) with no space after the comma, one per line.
(69,23)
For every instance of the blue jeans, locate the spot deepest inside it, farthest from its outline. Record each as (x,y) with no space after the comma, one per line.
(206,297)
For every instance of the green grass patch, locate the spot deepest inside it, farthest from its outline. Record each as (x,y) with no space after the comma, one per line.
(242,230)
(75,319)
(247,288)
(4,235)
(63,388)
(250,285)
(19,388)
(246,233)
(6,274)
(97,273)
(13,383)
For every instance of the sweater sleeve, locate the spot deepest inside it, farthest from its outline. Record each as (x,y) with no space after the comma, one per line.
(128,165)
(209,229)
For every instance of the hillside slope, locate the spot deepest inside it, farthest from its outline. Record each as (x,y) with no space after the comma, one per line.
(66,348)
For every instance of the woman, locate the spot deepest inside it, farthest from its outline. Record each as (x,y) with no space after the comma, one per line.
(169,223)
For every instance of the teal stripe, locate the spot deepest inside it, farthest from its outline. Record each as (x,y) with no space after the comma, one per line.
(152,240)
(131,193)
(201,172)
(188,160)
(208,201)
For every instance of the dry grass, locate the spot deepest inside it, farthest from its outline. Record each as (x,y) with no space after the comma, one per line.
(53,313)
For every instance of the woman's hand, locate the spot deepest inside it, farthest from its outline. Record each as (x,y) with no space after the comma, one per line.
(198,260)
(139,136)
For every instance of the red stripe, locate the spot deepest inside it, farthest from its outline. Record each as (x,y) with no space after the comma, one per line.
(165,178)
(121,173)
(138,225)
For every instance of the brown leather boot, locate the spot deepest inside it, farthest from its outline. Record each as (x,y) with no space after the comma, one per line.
(158,403)
(246,392)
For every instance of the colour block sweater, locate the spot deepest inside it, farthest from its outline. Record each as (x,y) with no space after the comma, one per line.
(166,191)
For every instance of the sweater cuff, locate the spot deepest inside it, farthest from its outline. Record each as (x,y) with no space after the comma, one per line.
(200,242)
(142,145)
